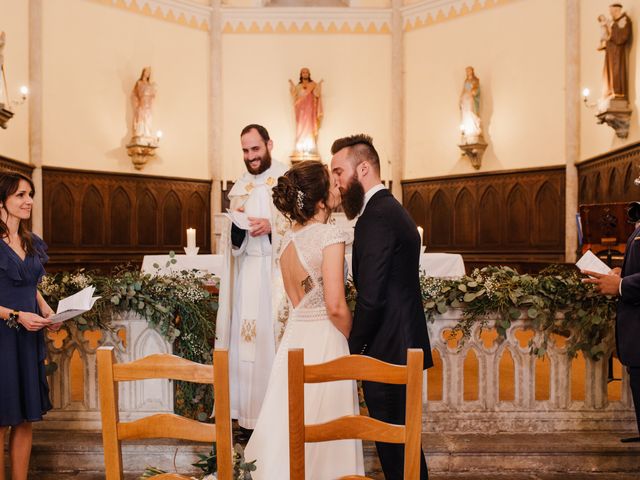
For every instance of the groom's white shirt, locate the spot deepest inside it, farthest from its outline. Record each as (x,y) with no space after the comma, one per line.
(370,193)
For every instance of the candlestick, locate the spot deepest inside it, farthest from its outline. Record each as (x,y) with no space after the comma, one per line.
(191,237)
(421,233)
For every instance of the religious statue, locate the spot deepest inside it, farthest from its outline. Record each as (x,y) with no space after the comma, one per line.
(142,98)
(307,102)
(616,40)
(143,143)
(470,125)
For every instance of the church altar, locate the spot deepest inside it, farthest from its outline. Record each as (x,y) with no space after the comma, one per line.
(441,265)
(211,264)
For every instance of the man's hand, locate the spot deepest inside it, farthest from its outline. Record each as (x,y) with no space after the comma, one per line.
(259,226)
(605,284)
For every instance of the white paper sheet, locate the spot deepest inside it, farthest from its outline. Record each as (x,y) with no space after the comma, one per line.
(239,219)
(74,305)
(590,262)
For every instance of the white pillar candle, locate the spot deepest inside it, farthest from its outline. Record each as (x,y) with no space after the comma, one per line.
(191,237)
(421,233)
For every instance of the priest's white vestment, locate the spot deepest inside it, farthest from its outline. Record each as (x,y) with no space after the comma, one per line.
(249,330)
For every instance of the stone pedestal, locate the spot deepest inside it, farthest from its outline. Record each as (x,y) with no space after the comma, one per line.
(473,148)
(297,157)
(616,113)
(141,150)
(5,116)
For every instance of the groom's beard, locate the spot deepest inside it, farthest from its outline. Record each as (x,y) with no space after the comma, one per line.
(352,198)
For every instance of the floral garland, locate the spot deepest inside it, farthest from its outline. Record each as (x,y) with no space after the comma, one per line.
(175,305)
(555,301)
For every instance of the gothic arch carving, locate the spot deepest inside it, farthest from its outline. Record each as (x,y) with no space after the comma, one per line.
(464,219)
(92,217)
(120,223)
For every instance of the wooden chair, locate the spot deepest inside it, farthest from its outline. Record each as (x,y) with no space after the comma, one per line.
(163,425)
(354,367)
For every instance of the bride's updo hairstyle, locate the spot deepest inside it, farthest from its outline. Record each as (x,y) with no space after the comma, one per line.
(300,189)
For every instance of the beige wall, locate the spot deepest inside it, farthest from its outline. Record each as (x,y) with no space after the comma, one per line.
(14,15)
(517,51)
(92,55)
(356,91)
(597,139)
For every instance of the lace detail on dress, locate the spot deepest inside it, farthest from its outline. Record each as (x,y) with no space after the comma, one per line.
(309,243)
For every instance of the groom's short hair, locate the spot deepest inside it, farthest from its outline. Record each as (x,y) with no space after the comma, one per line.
(361,147)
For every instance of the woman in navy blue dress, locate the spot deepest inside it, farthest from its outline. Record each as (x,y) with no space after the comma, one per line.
(24,393)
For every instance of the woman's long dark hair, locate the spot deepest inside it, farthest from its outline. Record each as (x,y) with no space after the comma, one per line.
(9,183)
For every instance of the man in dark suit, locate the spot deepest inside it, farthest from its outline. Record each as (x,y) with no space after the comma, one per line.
(389,317)
(627,288)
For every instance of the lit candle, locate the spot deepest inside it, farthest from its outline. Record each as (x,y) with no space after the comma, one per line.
(421,233)
(191,238)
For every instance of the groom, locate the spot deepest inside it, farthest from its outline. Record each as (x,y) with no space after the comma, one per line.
(389,317)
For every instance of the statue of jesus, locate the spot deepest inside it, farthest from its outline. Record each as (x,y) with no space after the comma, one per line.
(307,104)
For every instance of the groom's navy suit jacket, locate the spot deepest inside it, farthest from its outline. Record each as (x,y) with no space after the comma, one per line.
(628,317)
(389,317)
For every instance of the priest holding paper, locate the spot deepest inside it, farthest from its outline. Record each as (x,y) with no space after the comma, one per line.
(253,237)
(625,284)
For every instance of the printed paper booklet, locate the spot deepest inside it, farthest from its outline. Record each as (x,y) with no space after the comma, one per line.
(74,305)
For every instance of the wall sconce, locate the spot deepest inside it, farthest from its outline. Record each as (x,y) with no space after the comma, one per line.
(142,149)
(6,111)
(614,112)
(473,147)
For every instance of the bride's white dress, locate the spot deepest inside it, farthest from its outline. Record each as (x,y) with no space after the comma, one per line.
(308,327)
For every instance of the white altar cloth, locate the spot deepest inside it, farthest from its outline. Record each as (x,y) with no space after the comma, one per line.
(212,264)
(442,265)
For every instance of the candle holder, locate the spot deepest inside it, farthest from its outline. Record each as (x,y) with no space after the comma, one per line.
(422,248)
(191,251)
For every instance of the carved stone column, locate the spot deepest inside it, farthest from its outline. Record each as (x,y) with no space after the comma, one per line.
(397,98)
(572,123)
(35,108)
(215,111)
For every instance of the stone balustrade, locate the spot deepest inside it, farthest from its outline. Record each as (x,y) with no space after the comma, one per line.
(487,386)
(74,384)
(480,386)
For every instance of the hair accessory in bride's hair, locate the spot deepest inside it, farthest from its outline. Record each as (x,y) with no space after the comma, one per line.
(300,199)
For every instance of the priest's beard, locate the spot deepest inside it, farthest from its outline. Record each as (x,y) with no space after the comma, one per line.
(352,198)
(265,164)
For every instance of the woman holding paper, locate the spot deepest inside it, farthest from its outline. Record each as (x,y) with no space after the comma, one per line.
(24,395)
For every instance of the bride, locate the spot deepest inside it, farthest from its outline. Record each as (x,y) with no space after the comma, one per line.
(311,261)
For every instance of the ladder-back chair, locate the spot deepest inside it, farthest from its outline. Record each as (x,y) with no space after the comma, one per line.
(355,367)
(163,425)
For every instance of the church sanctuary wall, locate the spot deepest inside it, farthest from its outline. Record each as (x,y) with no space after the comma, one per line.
(93,53)
(14,141)
(517,50)
(598,139)
(356,90)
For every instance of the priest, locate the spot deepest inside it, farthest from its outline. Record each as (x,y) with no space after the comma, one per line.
(249,331)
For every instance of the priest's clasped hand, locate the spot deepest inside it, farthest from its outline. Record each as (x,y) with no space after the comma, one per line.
(605,284)
(259,226)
